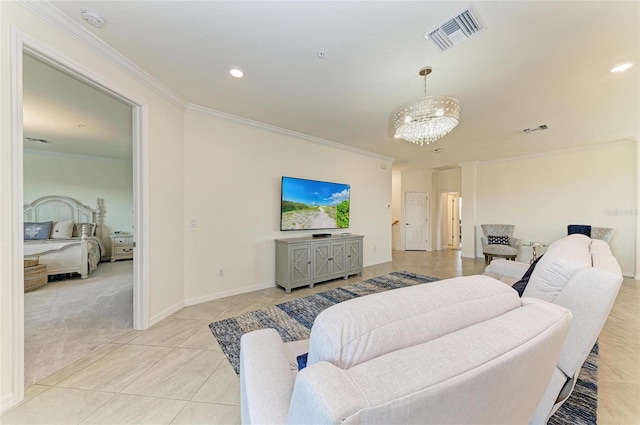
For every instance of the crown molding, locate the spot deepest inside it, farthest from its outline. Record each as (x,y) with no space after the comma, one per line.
(76,156)
(559,151)
(204,111)
(62,22)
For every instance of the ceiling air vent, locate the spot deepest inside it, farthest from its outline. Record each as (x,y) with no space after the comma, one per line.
(34,140)
(456,30)
(534,129)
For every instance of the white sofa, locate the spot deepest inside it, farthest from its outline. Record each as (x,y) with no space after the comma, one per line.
(463,350)
(580,274)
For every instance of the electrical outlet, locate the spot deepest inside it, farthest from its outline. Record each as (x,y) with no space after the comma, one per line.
(221,273)
(193,222)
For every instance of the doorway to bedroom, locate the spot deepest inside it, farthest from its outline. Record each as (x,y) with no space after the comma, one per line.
(78,143)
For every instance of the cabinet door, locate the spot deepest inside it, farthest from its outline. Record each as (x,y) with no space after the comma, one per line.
(321,260)
(354,256)
(338,259)
(300,261)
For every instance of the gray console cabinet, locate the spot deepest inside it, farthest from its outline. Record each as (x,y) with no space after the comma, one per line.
(307,260)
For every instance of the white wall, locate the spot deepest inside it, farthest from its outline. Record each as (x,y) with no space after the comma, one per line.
(162,177)
(84,179)
(449,180)
(232,188)
(541,195)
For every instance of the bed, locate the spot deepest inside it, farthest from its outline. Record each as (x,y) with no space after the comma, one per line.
(64,234)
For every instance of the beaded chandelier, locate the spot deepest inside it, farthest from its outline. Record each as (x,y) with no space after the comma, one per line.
(428,118)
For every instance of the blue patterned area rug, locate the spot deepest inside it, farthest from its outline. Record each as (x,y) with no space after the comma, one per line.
(293,321)
(581,407)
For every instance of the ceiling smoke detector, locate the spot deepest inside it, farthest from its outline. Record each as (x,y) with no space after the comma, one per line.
(93,18)
(456,30)
(534,129)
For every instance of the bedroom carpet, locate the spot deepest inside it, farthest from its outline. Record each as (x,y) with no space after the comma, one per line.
(67,319)
(293,321)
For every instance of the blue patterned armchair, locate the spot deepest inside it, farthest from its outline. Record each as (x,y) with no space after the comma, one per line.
(498,241)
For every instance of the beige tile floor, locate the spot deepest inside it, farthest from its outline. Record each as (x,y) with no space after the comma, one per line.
(175,373)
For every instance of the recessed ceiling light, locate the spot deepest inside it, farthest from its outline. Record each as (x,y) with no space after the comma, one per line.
(236,72)
(622,67)
(93,18)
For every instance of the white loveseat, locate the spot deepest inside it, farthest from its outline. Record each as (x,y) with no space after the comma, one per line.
(580,274)
(463,350)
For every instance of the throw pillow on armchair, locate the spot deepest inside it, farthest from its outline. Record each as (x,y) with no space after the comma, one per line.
(498,240)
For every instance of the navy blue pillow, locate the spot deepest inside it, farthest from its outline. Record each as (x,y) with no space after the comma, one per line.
(302,361)
(521,285)
(37,231)
(583,229)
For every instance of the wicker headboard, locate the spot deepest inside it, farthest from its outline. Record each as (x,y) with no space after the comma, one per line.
(63,208)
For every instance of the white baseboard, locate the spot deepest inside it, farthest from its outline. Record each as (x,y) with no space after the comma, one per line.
(6,402)
(166,313)
(224,294)
(378,261)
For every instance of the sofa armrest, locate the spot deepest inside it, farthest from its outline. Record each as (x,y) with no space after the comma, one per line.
(266,382)
(512,269)
(589,294)
(513,242)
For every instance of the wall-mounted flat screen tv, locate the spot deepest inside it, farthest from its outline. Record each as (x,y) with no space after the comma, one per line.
(313,205)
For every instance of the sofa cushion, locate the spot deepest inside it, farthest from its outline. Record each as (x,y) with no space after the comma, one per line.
(599,247)
(360,329)
(474,375)
(560,262)
(575,240)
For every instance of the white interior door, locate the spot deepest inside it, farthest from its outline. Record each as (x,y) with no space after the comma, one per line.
(416,219)
(453,216)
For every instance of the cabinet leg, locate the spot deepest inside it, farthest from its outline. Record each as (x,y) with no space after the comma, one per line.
(311,286)
(287,290)
(345,277)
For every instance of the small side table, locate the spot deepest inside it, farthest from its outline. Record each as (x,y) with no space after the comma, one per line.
(121,246)
(534,249)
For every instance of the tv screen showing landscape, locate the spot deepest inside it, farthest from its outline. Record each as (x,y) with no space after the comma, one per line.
(314,205)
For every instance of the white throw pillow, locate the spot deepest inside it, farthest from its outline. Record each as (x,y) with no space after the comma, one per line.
(62,230)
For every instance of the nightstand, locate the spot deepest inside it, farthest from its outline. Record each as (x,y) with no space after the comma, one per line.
(121,246)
